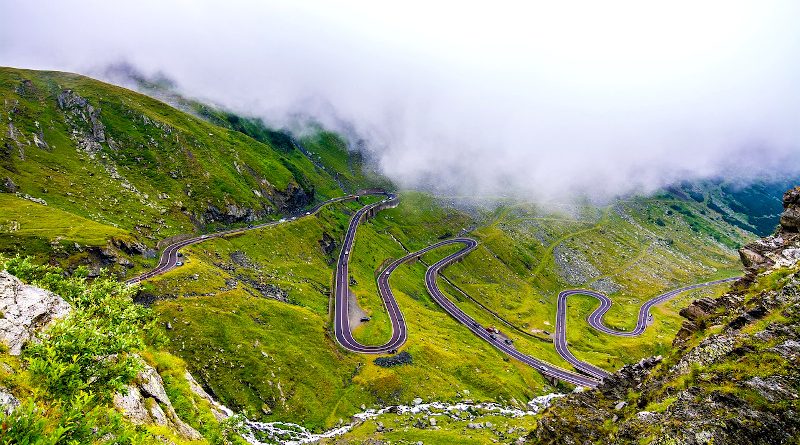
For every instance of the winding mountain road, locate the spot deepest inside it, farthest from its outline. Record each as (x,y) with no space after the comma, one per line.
(169,256)
(588,375)
(593,374)
(595,320)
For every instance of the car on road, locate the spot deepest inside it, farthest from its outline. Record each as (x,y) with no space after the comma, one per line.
(282,220)
(308,213)
(179,263)
(493,336)
(180,254)
(347,252)
(363,319)
(508,341)
(393,351)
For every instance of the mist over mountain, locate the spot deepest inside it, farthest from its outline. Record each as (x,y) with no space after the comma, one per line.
(539,101)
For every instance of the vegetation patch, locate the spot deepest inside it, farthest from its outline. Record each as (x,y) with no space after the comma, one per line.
(403,358)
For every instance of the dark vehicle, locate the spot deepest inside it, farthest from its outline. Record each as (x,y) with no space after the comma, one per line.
(365,318)
(508,341)
(180,254)
(493,336)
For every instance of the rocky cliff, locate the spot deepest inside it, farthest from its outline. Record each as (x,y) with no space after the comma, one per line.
(731,378)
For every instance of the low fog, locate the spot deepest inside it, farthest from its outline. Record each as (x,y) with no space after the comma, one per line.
(543,101)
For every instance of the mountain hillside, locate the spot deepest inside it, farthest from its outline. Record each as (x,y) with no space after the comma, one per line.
(97,180)
(139,169)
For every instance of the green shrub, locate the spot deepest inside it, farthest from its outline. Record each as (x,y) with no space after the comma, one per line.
(90,349)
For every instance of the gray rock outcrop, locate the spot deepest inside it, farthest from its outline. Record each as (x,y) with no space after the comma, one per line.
(220,411)
(8,403)
(145,402)
(25,310)
(781,249)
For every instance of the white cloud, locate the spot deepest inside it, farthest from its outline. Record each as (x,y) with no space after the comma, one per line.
(540,99)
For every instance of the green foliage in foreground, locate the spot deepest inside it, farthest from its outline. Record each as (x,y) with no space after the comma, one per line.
(67,379)
(90,349)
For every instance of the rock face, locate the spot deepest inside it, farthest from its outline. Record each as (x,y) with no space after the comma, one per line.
(146,402)
(25,310)
(8,186)
(220,411)
(8,402)
(88,130)
(781,249)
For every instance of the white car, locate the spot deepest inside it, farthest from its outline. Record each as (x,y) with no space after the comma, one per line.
(282,220)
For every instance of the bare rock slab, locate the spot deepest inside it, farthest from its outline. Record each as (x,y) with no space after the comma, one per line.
(26,310)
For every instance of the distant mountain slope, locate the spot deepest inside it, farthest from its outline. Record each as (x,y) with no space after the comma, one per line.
(127,161)
(327,150)
(754,207)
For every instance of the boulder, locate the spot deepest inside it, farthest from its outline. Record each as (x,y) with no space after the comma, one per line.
(8,402)
(145,402)
(8,186)
(25,311)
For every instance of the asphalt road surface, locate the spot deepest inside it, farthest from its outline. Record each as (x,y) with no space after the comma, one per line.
(341,321)
(595,320)
(169,257)
(498,341)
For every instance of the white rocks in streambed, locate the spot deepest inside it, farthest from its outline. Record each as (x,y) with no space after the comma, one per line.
(539,403)
(26,310)
(291,434)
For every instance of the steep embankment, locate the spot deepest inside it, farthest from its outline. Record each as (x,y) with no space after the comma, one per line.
(140,170)
(732,378)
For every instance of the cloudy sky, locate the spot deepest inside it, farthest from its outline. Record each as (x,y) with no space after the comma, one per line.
(538,99)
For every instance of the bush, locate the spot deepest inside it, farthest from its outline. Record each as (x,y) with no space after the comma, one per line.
(78,421)
(89,350)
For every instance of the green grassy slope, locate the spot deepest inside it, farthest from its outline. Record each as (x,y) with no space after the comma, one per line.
(278,360)
(132,163)
(632,250)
